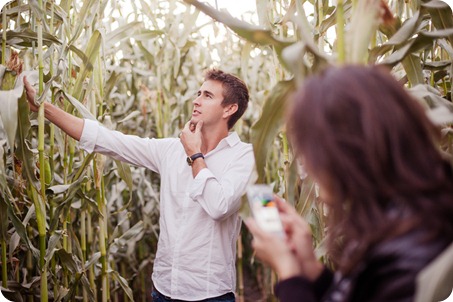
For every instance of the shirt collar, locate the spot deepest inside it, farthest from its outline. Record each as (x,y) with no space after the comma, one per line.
(232,139)
(228,141)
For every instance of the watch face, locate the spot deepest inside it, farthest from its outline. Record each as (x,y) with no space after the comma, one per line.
(190,159)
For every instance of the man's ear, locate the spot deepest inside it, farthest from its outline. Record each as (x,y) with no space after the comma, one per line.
(229,110)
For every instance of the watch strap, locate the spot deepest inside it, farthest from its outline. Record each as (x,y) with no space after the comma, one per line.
(192,158)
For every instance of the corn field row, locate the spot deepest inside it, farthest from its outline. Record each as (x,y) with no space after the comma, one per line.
(75,226)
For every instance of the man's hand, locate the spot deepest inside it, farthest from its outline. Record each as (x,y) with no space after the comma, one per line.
(69,123)
(191,138)
(31,93)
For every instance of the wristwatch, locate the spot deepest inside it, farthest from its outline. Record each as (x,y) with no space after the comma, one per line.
(192,158)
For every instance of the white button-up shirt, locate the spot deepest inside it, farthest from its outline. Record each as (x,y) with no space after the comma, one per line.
(199,221)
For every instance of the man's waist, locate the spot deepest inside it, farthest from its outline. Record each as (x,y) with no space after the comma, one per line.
(229,295)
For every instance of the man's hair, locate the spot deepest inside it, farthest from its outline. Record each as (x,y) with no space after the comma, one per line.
(234,92)
(366,140)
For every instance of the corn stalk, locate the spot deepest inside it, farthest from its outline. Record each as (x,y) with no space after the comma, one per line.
(40,202)
(4,20)
(144,80)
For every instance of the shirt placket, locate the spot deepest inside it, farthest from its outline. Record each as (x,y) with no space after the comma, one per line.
(175,276)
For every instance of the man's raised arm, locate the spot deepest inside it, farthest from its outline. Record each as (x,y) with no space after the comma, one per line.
(69,123)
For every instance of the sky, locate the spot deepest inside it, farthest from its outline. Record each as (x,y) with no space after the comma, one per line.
(449,2)
(235,7)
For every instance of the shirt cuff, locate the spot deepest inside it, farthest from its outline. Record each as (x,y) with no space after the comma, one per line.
(89,135)
(199,182)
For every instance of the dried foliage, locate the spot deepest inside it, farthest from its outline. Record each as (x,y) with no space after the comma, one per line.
(88,224)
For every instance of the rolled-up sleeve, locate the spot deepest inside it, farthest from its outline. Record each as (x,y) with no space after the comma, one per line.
(199,183)
(220,194)
(89,135)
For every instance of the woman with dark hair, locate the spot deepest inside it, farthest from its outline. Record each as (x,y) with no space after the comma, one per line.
(372,150)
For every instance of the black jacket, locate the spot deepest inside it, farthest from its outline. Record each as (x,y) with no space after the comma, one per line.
(388,273)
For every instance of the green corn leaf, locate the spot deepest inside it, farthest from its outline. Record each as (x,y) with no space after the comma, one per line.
(23,152)
(266,128)
(91,52)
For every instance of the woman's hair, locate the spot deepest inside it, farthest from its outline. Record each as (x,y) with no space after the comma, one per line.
(365,139)
(234,92)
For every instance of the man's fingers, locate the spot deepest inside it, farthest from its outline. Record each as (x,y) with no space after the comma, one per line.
(199,126)
(187,126)
(27,84)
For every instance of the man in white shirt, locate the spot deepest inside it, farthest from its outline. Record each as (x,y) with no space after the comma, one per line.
(203,173)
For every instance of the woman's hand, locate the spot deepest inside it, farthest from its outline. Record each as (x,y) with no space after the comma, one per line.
(299,239)
(274,250)
(290,256)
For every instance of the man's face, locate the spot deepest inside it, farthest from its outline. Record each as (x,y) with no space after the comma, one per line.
(207,105)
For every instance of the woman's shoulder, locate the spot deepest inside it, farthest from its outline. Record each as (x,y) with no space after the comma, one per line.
(412,250)
(390,268)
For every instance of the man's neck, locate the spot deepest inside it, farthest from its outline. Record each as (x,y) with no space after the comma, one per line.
(211,138)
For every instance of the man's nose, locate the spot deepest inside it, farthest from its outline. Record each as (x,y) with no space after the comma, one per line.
(196,101)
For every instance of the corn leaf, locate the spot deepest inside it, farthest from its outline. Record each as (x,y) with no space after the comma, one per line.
(434,282)
(124,171)
(364,22)
(266,128)
(124,32)
(84,112)
(8,112)
(23,152)
(91,52)
(248,31)
(27,38)
(441,15)
(123,283)
(89,6)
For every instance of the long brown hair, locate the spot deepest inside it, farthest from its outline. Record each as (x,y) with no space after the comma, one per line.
(366,140)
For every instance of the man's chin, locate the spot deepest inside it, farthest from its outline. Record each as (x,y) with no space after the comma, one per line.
(193,123)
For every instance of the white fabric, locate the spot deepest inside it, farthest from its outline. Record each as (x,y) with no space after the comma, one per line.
(199,222)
